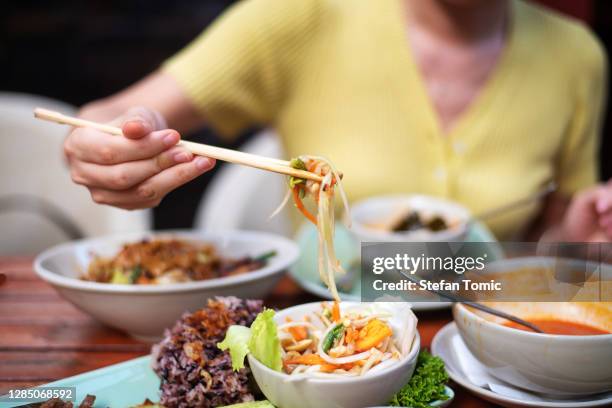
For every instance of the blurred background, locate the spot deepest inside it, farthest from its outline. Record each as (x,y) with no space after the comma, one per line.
(76,52)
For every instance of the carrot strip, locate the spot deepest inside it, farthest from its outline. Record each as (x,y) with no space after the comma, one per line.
(298,332)
(336,312)
(315,359)
(350,335)
(300,206)
(307,359)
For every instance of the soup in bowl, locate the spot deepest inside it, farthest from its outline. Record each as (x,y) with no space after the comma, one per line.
(573,357)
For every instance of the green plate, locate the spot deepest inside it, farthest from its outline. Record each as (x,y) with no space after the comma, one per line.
(129,383)
(441,404)
(118,386)
(348,252)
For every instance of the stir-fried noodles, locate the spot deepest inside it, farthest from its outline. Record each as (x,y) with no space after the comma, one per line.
(323,195)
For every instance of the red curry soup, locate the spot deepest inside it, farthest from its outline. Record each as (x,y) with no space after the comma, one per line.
(551,326)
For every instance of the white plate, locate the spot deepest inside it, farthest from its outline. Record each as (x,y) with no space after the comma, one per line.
(305,273)
(442,346)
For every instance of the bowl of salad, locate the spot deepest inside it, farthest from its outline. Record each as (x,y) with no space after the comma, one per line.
(345,354)
(142,283)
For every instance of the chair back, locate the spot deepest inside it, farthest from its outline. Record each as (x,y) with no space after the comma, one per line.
(241,197)
(39,204)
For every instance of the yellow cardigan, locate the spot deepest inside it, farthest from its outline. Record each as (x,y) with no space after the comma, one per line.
(337,78)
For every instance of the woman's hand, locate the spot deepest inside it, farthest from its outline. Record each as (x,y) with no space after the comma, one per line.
(589,216)
(135,171)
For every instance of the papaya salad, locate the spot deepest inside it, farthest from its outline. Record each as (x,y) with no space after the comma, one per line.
(327,341)
(351,343)
(322,194)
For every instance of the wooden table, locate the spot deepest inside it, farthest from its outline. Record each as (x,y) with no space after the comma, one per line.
(44,338)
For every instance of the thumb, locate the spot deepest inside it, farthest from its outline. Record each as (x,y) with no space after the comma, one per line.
(139,121)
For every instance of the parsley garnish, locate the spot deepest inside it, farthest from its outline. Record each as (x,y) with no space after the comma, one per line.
(426,384)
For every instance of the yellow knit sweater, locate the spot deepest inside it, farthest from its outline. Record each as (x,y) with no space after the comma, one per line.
(337,78)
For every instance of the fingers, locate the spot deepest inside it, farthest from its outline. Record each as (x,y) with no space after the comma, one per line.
(150,192)
(603,203)
(126,175)
(603,206)
(97,147)
(139,121)
(135,171)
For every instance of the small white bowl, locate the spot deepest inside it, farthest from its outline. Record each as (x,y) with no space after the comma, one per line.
(144,311)
(557,365)
(377,210)
(373,388)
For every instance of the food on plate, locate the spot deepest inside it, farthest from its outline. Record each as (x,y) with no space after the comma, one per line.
(329,342)
(163,261)
(414,221)
(407,219)
(425,386)
(323,195)
(558,326)
(88,402)
(194,372)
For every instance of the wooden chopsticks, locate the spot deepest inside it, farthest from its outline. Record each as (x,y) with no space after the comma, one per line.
(219,153)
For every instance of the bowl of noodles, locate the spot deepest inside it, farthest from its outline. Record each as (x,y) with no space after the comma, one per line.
(142,283)
(339,354)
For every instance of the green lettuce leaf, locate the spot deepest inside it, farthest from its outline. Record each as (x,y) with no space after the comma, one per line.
(237,341)
(261,340)
(264,344)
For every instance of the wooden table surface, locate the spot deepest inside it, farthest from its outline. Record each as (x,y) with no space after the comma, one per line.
(44,338)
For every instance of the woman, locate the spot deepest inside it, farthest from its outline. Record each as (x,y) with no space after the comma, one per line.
(479,101)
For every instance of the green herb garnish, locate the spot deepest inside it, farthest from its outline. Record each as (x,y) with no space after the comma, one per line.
(298,164)
(135,274)
(426,384)
(332,336)
(264,257)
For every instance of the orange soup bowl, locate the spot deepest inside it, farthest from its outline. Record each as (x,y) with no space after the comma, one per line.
(560,365)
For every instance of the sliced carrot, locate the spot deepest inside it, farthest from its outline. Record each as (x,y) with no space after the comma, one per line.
(298,332)
(350,335)
(330,368)
(315,359)
(311,166)
(374,333)
(307,359)
(300,205)
(143,280)
(336,312)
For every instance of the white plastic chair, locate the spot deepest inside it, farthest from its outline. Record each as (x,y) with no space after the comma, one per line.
(241,197)
(39,204)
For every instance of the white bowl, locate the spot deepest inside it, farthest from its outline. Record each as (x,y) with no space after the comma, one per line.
(378,209)
(374,388)
(557,365)
(145,311)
